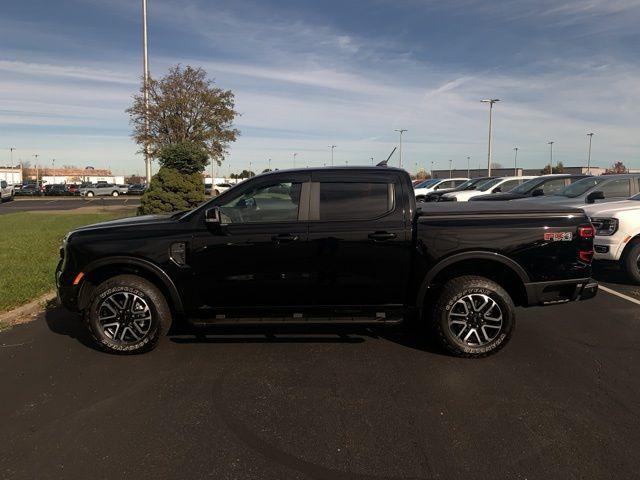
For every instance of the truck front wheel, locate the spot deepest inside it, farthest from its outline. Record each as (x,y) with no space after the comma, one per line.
(631,261)
(127,314)
(473,316)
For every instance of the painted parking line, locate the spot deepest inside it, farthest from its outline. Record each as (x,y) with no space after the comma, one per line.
(618,294)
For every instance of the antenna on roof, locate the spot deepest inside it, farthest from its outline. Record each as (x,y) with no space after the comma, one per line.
(384,162)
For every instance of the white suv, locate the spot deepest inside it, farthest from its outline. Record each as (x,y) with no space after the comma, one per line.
(617,239)
(501,184)
(434,184)
(6,191)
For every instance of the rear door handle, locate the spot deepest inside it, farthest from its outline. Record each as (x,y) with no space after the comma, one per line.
(284,238)
(382,236)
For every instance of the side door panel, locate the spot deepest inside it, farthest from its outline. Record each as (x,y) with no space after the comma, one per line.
(360,262)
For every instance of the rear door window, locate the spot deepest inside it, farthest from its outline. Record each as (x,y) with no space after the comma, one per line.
(616,188)
(509,184)
(553,186)
(355,201)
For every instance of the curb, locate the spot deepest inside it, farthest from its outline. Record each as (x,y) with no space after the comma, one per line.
(25,313)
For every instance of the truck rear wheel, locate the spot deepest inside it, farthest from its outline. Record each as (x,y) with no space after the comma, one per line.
(127,314)
(631,261)
(473,316)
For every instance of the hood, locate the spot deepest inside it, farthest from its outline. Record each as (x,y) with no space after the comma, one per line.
(130,221)
(611,208)
(498,196)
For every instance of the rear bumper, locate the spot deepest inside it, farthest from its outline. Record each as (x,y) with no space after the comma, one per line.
(561,291)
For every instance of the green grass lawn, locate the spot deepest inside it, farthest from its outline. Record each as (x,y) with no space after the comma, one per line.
(29,251)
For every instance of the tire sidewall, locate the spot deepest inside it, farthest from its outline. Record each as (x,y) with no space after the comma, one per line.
(146,343)
(631,262)
(508,320)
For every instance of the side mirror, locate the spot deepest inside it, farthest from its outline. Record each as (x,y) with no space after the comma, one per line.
(496,190)
(538,192)
(593,196)
(212,216)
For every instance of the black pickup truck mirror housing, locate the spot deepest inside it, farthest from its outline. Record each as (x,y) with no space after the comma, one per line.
(593,196)
(212,216)
(538,192)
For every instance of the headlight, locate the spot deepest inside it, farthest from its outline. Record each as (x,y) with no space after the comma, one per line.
(605,226)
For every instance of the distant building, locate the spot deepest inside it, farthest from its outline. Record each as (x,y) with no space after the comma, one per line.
(72,175)
(11,175)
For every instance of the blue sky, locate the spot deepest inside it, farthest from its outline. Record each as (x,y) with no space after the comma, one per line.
(310,74)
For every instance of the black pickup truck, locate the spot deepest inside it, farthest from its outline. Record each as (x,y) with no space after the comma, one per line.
(330,245)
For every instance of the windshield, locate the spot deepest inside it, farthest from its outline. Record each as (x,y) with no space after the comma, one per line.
(578,188)
(527,186)
(427,183)
(483,187)
(468,183)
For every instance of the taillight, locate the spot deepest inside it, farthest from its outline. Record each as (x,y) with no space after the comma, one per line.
(586,255)
(586,232)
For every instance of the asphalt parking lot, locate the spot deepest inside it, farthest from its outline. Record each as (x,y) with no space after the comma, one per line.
(64,203)
(561,401)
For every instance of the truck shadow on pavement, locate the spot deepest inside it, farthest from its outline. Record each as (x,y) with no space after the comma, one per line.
(66,323)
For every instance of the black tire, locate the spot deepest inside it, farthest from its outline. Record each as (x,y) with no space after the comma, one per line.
(449,306)
(122,289)
(631,261)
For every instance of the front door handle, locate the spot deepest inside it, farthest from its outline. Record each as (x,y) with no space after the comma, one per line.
(284,238)
(382,236)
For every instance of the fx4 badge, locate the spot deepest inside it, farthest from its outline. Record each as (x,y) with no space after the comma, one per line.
(558,236)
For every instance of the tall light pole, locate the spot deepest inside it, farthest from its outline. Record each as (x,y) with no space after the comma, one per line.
(371,160)
(332,147)
(35,155)
(400,131)
(11,149)
(53,164)
(269,164)
(590,135)
(490,101)
(468,167)
(550,156)
(145,88)
(450,168)
(515,161)
(431,171)
(294,159)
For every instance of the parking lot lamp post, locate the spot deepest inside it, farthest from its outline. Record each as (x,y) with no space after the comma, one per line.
(590,135)
(371,160)
(400,131)
(53,167)
(490,101)
(11,149)
(35,155)
(145,90)
(468,167)
(450,168)
(332,147)
(294,159)
(515,161)
(550,155)
(269,164)
(431,171)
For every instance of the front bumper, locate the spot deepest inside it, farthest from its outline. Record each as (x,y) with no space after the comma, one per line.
(608,248)
(560,291)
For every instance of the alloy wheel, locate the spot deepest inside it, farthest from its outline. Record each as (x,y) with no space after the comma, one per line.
(124,317)
(475,319)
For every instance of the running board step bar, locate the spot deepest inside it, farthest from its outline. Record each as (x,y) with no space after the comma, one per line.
(297,319)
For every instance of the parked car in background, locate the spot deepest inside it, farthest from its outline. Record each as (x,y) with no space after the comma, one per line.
(73,189)
(6,191)
(326,245)
(219,188)
(56,190)
(136,189)
(617,237)
(435,184)
(103,190)
(589,190)
(30,190)
(470,184)
(497,185)
(536,187)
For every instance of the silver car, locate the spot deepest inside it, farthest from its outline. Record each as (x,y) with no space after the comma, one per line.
(103,190)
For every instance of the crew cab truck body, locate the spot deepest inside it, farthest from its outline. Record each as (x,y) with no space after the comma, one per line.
(332,245)
(617,239)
